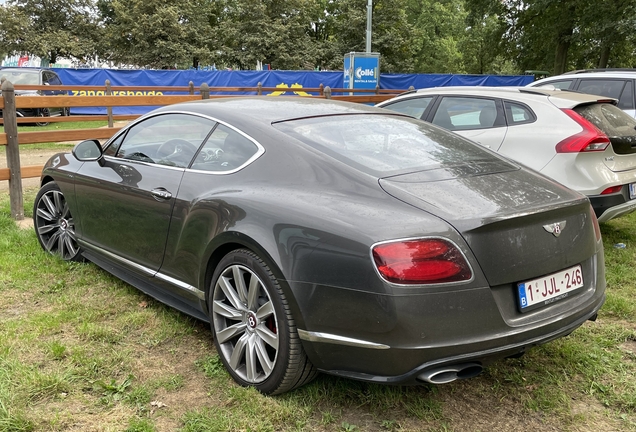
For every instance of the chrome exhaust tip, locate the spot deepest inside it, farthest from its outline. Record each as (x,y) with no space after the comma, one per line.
(450,373)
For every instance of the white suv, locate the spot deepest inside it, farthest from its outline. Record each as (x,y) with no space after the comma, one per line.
(583,141)
(615,83)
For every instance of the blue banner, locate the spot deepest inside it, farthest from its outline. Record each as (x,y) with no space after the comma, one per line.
(288,82)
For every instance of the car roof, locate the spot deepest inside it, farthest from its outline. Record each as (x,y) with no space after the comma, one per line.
(270,109)
(560,98)
(19,69)
(624,74)
(602,72)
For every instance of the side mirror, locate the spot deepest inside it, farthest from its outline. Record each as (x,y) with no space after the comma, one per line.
(88,151)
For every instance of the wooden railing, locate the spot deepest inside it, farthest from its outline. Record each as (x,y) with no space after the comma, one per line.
(112,96)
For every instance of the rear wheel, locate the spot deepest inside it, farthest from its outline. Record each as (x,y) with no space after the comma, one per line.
(43,112)
(54,225)
(254,332)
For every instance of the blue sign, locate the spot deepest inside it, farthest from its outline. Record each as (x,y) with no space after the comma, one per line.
(361,70)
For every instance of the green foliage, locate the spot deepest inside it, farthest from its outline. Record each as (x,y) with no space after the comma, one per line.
(50,29)
(432,36)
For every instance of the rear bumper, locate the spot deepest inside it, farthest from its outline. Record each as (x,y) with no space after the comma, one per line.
(472,358)
(612,206)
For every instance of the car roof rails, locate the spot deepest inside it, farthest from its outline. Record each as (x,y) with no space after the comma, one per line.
(574,72)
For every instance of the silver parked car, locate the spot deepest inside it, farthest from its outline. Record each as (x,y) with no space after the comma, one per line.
(583,141)
(615,83)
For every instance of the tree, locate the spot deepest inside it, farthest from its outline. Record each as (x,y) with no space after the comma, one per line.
(157,34)
(439,28)
(49,29)
(392,34)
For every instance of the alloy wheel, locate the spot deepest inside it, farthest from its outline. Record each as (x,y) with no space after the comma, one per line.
(55,226)
(245,324)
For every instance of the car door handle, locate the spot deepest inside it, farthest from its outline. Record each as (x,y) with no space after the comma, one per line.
(161,193)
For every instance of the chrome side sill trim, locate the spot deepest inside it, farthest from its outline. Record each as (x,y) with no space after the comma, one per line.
(184,286)
(111,255)
(338,340)
(152,273)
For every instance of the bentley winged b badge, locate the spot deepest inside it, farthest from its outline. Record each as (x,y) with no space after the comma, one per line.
(555,228)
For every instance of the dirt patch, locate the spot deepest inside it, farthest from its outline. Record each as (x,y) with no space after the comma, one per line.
(630,346)
(29,157)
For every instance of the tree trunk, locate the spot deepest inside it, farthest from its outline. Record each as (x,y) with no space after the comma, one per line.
(560,59)
(605,53)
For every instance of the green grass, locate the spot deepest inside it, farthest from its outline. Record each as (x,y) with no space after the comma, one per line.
(81,350)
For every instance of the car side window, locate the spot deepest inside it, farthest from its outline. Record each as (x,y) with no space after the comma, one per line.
(413,107)
(165,139)
(601,87)
(462,113)
(626,100)
(54,79)
(112,148)
(225,150)
(518,114)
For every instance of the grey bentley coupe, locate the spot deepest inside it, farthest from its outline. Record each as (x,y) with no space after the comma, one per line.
(322,236)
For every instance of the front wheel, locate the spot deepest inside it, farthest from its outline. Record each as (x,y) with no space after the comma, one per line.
(54,224)
(254,332)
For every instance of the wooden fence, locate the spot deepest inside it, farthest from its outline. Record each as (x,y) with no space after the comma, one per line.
(103,96)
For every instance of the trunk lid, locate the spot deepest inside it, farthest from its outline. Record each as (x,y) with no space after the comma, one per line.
(501,213)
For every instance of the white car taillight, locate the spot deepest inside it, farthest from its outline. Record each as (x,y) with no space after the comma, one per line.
(589,139)
(423,261)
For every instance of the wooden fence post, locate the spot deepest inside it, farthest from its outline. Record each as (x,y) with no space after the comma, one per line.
(205,91)
(328,92)
(10,118)
(377,89)
(191,85)
(259,89)
(322,89)
(109,110)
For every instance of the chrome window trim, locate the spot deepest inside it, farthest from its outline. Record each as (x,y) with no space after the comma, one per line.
(152,273)
(138,162)
(338,340)
(259,151)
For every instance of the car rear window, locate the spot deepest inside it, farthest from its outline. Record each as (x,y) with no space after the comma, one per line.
(615,123)
(386,145)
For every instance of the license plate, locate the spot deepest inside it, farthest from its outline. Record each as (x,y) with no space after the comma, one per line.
(632,190)
(550,288)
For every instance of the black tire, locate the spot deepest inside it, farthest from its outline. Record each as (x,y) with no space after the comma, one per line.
(43,112)
(54,225)
(252,326)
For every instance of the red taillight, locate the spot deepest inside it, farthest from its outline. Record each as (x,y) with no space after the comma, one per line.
(611,190)
(424,261)
(589,139)
(597,229)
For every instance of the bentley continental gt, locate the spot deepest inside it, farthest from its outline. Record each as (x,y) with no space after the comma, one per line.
(322,236)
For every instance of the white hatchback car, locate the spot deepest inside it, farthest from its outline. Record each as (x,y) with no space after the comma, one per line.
(583,141)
